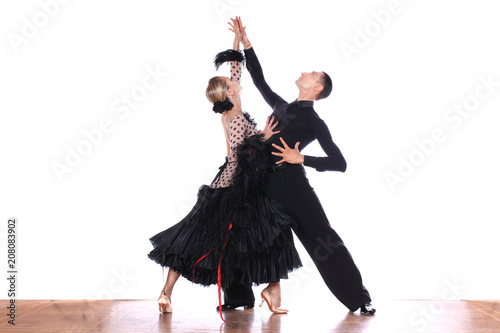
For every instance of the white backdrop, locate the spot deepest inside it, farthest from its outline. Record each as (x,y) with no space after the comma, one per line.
(106,136)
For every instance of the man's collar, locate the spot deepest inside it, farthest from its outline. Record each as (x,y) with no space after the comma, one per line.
(304,104)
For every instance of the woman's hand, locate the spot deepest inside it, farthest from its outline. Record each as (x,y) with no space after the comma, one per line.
(244,38)
(268,129)
(288,154)
(235,27)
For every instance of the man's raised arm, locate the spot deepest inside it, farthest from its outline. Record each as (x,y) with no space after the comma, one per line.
(272,99)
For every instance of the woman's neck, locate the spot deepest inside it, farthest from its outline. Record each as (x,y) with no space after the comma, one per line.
(236,105)
(232,111)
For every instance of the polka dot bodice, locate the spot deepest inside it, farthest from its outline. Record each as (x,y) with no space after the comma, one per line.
(238,128)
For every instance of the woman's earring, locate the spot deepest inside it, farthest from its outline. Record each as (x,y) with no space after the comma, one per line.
(234,95)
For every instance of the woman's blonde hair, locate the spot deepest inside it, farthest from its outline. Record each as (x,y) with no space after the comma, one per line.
(216,90)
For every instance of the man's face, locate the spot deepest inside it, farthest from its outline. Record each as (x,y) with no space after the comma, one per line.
(308,81)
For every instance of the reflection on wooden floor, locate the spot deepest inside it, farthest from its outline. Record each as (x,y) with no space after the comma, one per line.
(143,316)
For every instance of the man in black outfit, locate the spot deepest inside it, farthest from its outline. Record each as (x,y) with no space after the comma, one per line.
(287,184)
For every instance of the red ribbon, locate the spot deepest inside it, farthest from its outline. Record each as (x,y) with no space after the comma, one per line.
(199,261)
(218,269)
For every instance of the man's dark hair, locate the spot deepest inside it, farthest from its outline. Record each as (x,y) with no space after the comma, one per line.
(326,82)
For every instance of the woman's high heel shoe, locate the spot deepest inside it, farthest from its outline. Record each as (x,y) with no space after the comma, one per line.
(164,304)
(265,297)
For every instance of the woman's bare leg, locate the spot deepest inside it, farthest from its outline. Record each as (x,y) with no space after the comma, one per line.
(165,299)
(274,290)
(169,284)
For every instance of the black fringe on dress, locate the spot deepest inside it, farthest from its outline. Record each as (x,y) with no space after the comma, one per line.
(228,55)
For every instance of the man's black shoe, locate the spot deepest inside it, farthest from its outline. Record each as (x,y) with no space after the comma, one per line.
(367,309)
(226,307)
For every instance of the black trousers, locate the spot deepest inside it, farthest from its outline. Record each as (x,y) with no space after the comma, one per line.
(291,188)
(238,294)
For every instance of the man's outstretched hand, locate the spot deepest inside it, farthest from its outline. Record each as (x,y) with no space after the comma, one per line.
(288,154)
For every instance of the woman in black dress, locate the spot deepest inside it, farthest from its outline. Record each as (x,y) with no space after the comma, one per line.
(234,229)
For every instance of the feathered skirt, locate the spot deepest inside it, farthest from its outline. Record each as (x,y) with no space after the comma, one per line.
(236,233)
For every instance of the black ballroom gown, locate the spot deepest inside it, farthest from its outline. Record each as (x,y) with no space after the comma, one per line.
(235,232)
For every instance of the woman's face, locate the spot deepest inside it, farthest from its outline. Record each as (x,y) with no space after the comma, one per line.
(234,86)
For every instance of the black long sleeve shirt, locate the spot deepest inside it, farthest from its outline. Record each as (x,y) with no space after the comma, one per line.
(298,122)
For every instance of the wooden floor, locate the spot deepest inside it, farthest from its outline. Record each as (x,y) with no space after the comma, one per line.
(403,316)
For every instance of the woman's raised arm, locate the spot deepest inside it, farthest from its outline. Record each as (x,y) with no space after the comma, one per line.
(235,27)
(236,66)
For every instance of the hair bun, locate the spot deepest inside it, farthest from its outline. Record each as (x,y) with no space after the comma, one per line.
(220,107)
